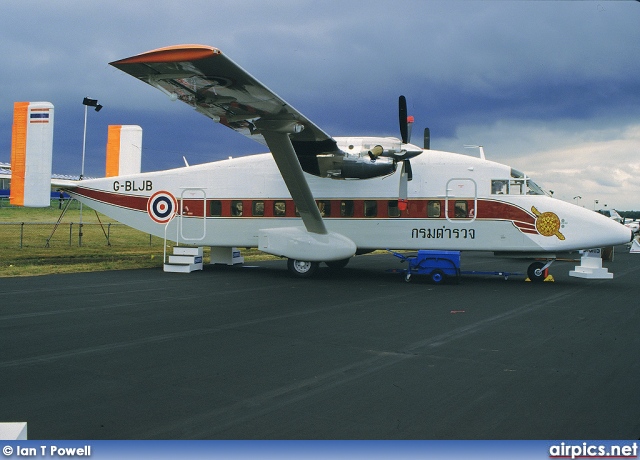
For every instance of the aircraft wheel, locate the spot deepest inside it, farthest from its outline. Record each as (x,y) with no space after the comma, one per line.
(437,277)
(302,268)
(338,264)
(535,272)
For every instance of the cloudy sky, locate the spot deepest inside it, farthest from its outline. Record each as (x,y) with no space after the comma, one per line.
(551,88)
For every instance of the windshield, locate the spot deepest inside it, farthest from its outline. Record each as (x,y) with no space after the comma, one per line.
(519,184)
(532,187)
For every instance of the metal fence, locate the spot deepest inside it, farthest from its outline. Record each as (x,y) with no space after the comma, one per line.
(48,234)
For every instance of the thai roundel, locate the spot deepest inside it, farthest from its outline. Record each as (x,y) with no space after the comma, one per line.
(162,207)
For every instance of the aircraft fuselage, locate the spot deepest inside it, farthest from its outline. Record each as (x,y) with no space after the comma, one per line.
(454,202)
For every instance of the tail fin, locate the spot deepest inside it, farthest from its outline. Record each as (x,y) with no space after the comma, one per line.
(31,154)
(124,150)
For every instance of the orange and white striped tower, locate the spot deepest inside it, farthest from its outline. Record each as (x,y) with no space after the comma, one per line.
(31,154)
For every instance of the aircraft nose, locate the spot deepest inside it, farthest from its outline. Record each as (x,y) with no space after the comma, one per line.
(617,233)
(625,234)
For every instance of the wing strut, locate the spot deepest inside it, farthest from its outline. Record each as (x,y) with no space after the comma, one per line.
(286,159)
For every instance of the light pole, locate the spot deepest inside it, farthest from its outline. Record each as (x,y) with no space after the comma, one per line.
(595,205)
(87,102)
(577,198)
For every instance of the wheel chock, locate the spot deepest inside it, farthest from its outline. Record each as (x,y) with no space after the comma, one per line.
(548,279)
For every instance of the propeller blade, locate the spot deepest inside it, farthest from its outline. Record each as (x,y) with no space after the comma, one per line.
(402,118)
(427,139)
(410,120)
(405,176)
(402,192)
(407,169)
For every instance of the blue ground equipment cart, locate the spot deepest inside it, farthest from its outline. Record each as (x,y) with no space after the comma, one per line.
(437,265)
(440,266)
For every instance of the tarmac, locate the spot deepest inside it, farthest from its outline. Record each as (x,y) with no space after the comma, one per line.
(252,353)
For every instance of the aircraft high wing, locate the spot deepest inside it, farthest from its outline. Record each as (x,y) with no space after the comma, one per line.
(215,86)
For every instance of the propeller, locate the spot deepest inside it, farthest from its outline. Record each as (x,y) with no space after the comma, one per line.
(404,155)
(406,123)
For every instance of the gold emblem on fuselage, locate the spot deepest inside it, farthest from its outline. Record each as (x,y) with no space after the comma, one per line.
(547,223)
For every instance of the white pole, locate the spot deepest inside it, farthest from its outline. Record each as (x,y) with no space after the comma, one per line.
(84,142)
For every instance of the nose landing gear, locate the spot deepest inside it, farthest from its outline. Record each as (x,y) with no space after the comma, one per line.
(538,271)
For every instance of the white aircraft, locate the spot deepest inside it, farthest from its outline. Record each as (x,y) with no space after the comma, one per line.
(634,225)
(612,214)
(315,198)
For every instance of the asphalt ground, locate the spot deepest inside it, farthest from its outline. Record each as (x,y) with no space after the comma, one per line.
(252,353)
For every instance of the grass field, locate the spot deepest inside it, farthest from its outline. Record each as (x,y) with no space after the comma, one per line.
(24,233)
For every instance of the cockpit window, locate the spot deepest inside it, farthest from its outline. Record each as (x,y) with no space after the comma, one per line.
(534,189)
(516,187)
(499,187)
(519,184)
(517,174)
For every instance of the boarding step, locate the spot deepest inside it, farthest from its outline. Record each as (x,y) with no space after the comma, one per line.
(184,260)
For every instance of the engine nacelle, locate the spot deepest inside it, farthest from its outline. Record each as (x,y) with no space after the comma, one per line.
(340,167)
(366,169)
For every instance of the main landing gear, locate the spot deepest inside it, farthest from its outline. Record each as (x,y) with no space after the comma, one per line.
(302,268)
(306,269)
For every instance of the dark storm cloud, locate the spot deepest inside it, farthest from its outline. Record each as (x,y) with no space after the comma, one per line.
(343,64)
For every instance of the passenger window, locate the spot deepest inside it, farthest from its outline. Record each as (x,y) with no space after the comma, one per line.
(433,209)
(236,208)
(370,208)
(393,209)
(324,207)
(257,208)
(460,209)
(215,208)
(279,208)
(346,208)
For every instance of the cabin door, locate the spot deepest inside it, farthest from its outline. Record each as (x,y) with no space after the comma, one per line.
(461,200)
(193,222)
